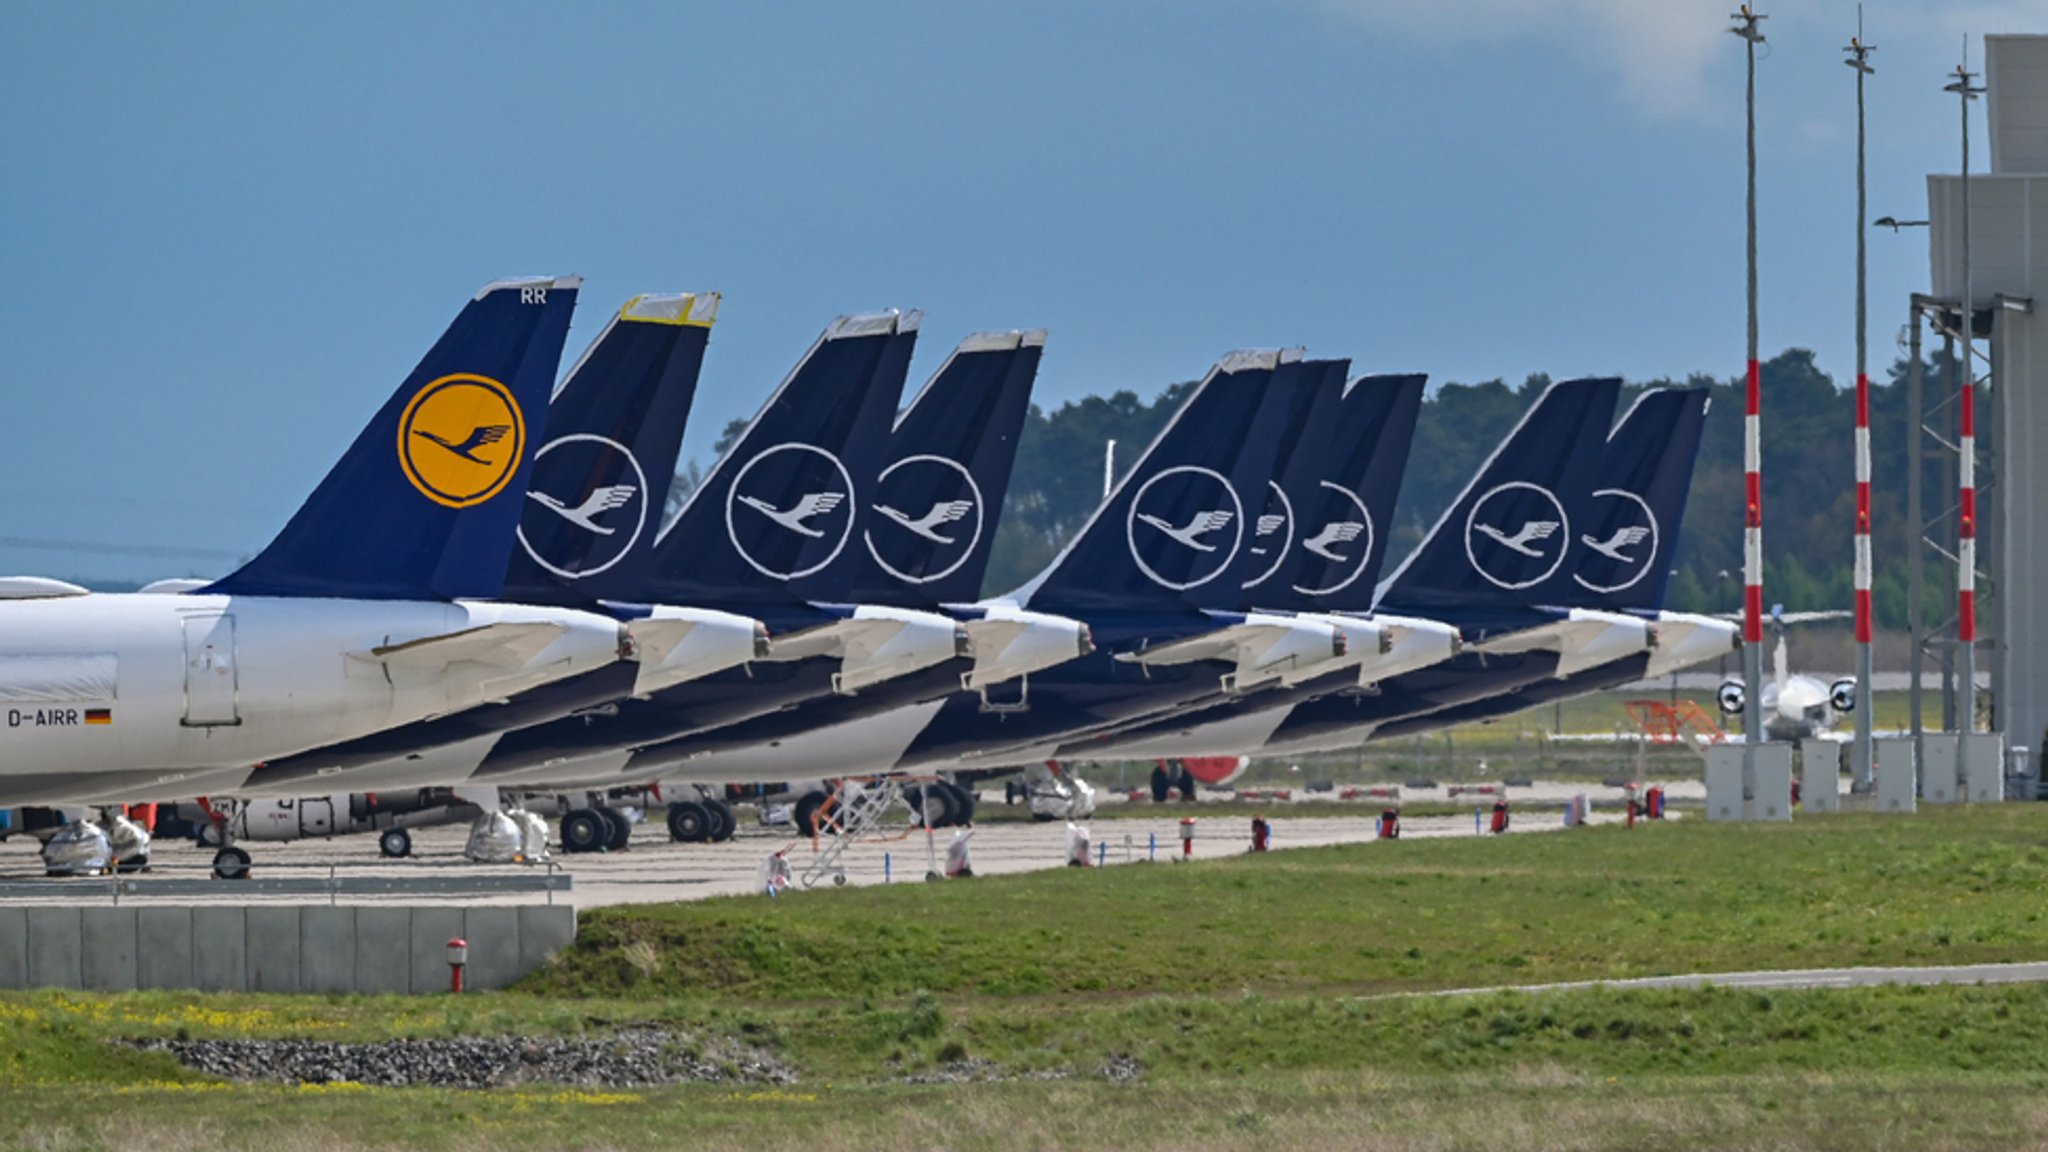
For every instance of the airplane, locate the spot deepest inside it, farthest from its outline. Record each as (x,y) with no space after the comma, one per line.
(1128,587)
(953,447)
(1473,598)
(1634,523)
(367,610)
(1796,706)
(619,411)
(847,648)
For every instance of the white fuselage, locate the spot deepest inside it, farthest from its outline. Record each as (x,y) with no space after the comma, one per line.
(143,696)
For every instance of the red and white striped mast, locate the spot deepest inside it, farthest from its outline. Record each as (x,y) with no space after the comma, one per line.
(1861,755)
(1752,456)
(1966,486)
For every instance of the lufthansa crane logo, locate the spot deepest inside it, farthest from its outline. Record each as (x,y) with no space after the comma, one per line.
(1272,534)
(929,518)
(790,511)
(1517,535)
(1626,540)
(460,440)
(586,507)
(1184,527)
(1341,543)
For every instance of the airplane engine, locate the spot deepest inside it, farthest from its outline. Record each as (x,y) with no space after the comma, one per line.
(1842,695)
(1730,697)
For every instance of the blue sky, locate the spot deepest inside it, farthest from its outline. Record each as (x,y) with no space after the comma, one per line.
(228,230)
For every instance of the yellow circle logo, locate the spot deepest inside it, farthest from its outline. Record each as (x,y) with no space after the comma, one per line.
(461,439)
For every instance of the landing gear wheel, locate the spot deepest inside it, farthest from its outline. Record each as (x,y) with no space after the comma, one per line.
(1162,784)
(620,831)
(231,863)
(395,844)
(584,831)
(723,822)
(807,813)
(1187,784)
(839,879)
(689,822)
(935,800)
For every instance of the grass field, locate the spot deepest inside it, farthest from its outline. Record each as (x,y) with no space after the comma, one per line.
(1257,1000)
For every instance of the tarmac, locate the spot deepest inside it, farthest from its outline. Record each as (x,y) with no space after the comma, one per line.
(655,869)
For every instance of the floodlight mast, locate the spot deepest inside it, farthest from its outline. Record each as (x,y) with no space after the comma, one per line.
(1861,755)
(1966,399)
(1752,453)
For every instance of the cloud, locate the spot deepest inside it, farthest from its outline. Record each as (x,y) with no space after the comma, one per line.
(1659,52)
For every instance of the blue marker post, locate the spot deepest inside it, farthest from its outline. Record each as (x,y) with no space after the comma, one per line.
(885,867)
(1152,847)
(1478,825)
(1102,854)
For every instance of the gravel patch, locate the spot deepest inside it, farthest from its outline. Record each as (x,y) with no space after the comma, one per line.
(640,1058)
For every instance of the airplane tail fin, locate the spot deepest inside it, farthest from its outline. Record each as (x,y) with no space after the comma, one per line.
(928,523)
(1622,544)
(1340,492)
(425,502)
(780,507)
(1511,528)
(1177,521)
(614,429)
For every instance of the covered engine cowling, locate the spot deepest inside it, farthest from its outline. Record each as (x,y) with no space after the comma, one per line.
(1842,695)
(1730,697)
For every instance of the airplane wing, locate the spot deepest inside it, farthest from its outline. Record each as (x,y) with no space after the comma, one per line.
(504,645)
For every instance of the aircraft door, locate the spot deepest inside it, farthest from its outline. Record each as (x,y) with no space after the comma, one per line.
(210,680)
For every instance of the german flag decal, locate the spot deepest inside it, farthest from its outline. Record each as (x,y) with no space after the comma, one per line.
(99,715)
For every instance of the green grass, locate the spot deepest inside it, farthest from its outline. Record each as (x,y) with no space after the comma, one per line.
(1946,886)
(1263,997)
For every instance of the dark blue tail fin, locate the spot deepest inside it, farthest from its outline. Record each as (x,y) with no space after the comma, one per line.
(929,519)
(1340,487)
(1510,530)
(1305,388)
(424,504)
(614,430)
(775,518)
(1622,542)
(1178,520)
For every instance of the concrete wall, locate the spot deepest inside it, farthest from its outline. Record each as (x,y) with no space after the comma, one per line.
(369,949)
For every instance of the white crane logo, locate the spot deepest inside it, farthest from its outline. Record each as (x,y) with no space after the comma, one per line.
(601,511)
(601,499)
(1191,506)
(1512,523)
(950,528)
(1348,523)
(1636,526)
(807,507)
(822,510)
(941,513)
(1201,524)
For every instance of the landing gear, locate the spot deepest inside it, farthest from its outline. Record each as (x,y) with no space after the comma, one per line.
(395,844)
(584,830)
(951,804)
(1187,784)
(1162,784)
(690,822)
(723,822)
(620,830)
(231,863)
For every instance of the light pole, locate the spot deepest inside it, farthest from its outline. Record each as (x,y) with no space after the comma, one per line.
(1966,449)
(1752,456)
(1860,753)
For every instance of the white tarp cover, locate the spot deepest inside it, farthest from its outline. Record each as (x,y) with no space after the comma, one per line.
(57,679)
